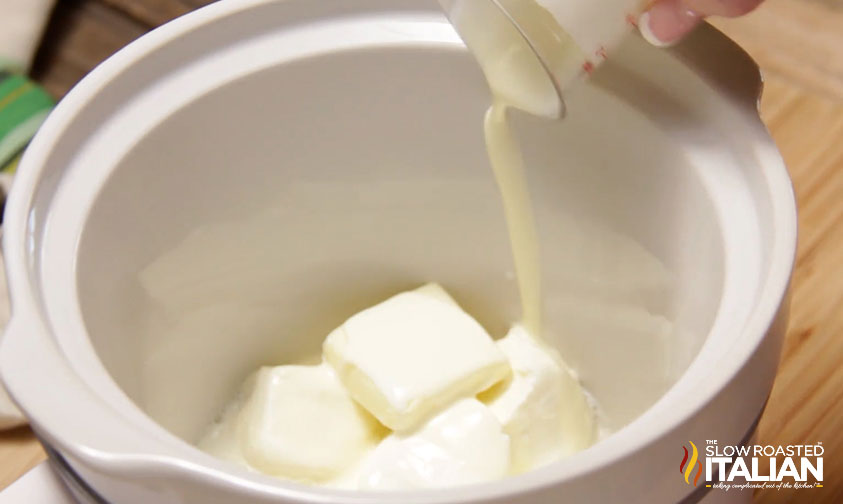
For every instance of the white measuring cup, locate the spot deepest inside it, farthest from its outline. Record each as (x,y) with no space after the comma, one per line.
(533,50)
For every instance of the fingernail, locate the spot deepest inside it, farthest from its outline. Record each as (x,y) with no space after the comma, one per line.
(647,31)
(667,22)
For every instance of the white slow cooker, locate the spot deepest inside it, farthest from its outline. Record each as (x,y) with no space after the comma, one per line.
(224,191)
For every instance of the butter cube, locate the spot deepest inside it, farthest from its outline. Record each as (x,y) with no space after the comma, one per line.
(542,407)
(412,356)
(300,423)
(465,444)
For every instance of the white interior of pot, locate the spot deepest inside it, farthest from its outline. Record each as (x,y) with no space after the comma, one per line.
(245,226)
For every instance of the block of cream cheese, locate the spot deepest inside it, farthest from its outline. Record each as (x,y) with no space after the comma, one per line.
(413,355)
(542,407)
(299,423)
(464,444)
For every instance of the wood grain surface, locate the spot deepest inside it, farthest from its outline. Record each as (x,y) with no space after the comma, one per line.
(799,45)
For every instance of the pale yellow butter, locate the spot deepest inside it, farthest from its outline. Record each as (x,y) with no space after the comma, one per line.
(464,444)
(542,407)
(412,356)
(298,422)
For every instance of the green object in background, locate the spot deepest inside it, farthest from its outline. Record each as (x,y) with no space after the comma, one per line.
(23,107)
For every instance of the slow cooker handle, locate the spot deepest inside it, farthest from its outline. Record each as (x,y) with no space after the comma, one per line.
(10,416)
(70,417)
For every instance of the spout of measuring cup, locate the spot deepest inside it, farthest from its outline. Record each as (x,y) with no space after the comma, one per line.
(516,74)
(532,51)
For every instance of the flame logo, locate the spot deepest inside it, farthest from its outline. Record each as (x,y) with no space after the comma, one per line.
(689,469)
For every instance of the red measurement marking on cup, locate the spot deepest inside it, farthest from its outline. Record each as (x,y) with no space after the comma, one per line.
(602,54)
(588,67)
(632,19)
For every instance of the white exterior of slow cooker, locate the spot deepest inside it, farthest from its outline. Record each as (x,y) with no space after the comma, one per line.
(128,458)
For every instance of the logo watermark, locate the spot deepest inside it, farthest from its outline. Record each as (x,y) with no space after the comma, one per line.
(741,467)
(694,463)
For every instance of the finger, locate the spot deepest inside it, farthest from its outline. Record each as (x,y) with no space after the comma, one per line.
(667,22)
(729,8)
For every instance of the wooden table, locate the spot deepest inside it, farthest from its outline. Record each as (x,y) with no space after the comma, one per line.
(799,44)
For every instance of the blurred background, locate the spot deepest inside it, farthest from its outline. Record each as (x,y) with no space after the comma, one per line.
(799,46)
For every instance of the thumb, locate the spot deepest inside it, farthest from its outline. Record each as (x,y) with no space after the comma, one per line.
(668,21)
(728,8)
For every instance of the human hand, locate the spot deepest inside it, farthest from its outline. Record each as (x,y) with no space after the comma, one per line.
(667,21)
